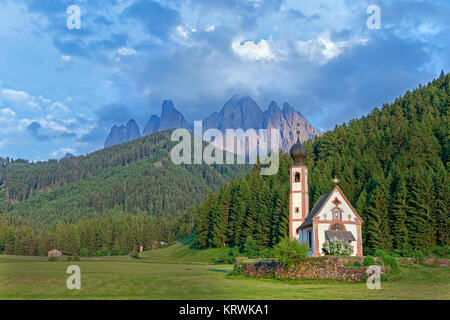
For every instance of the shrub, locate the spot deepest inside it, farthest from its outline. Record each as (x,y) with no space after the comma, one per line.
(418,255)
(336,248)
(103,252)
(380,253)
(114,252)
(267,253)
(396,253)
(406,252)
(369,261)
(290,252)
(233,254)
(76,258)
(223,258)
(52,259)
(134,254)
(69,258)
(251,248)
(84,252)
(390,261)
(441,252)
(123,252)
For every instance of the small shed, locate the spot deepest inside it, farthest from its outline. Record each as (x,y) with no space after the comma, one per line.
(58,253)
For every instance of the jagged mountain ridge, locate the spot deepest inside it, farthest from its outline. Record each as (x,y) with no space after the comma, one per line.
(238,112)
(123,134)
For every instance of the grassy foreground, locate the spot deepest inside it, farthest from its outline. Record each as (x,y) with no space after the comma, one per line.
(35,278)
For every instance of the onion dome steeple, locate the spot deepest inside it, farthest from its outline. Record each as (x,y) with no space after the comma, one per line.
(298,151)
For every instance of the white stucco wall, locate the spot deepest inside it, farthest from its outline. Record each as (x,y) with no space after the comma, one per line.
(326,215)
(326,212)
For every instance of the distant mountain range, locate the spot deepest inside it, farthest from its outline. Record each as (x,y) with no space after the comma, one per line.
(238,112)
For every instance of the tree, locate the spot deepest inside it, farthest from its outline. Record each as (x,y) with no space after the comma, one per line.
(398,216)
(290,252)
(378,236)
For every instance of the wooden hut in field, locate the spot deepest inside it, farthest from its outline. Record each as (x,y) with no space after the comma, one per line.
(57,253)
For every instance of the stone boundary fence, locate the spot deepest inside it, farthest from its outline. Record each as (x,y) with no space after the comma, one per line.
(430,261)
(312,268)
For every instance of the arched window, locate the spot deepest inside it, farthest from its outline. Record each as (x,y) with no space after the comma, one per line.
(337,227)
(336,214)
(297,177)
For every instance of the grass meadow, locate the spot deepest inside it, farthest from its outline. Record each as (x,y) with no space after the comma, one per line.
(127,278)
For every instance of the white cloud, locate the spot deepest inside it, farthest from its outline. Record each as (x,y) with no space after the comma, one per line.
(19,98)
(58,106)
(210,28)
(253,51)
(66,58)
(125,52)
(8,112)
(15,95)
(322,49)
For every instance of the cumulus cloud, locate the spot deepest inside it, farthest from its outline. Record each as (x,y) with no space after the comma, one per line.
(20,99)
(253,51)
(322,48)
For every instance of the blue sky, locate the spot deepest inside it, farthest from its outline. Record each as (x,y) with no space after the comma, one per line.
(61,90)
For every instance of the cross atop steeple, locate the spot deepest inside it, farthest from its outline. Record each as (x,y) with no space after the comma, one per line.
(298,132)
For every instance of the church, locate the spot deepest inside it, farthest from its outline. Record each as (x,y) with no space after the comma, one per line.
(332,217)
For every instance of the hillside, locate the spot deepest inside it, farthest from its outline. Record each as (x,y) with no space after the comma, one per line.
(137,177)
(392,166)
(185,250)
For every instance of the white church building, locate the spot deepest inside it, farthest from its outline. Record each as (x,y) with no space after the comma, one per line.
(332,217)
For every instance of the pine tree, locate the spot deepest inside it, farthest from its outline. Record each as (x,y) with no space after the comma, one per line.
(419,220)
(440,208)
(378,236)
(398,216)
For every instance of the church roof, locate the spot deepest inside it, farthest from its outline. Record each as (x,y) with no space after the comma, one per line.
(321,202)
(339,235)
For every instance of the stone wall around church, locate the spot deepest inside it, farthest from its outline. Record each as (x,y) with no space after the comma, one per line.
(311,268)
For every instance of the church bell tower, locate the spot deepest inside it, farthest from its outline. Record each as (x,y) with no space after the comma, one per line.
(298,198)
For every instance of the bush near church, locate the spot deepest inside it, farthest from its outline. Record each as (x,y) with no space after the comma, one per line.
(336,247)
(290,252)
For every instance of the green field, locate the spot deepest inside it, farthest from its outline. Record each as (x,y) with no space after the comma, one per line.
(126,278)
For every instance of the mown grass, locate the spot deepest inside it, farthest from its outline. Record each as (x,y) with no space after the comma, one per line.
(135,279)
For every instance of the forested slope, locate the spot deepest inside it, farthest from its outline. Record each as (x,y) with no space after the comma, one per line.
(392,166)
(133,178)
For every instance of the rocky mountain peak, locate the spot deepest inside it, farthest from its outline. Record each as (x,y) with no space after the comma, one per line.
(170,118)
(121,134)
(239,112)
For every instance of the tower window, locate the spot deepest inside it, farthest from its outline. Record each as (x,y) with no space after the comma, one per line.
(297,177)
(297,210)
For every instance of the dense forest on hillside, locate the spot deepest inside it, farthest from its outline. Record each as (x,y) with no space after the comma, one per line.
(123,234)
(392,166)
(133,178)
